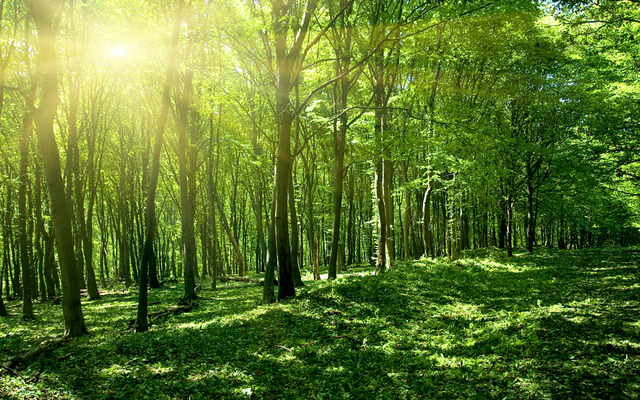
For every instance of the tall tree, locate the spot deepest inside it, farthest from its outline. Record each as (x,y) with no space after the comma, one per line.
(43,13)
(147,250)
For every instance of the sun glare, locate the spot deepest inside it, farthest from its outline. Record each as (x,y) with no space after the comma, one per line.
(119,51)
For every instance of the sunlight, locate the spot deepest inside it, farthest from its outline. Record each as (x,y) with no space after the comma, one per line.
(119,51)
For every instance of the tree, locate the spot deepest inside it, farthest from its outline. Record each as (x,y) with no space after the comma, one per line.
(147,250)
(43,13)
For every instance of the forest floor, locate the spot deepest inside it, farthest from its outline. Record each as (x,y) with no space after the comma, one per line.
(551,325)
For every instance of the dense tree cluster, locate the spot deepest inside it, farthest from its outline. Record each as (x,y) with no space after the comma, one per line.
(170,139)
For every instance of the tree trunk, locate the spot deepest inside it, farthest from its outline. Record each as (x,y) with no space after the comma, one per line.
(351,241)
(286,59)
(509,226)
(141,319)
(338,176)
(122,233)
(261,253)
(186,201)
(297,279)
(381,264)
(86,228)
(7,237)
(502,225)
(388,167)
(3,309)
(407,214)
(426,223)
(268,293)
(40,233)
(25,242)
(43,12)
(531,221)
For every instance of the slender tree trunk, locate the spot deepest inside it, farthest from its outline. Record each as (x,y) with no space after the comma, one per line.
(211,179)
(453,246)
(312,236)
(125,228)
(426,223)
(186,203)
(338,181)
(407,214)
(40,233)
(286,59)
(7,236)
(268,292)
(351,240)
(25,242)
(141,320)
(261,253)
(502,224)
(43,12)
(297,278)
(382,222)
(86,228)
(3,309)
(341,92)
(387,186)
(531,224)
(509,226)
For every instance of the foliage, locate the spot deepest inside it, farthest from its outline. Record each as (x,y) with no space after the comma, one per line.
(558,324)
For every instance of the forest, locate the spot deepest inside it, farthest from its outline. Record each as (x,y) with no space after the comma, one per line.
(345,189)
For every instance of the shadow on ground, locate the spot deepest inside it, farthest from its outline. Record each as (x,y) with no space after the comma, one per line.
(549,325)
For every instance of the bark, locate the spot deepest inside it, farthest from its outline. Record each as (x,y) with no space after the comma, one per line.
(154,282)
(297,278)
(3,309)
(426,223)
(25,242)
(406,223)
(382,222)
(43,13)
(7,236)
(381,165)
(86,227)
(531,220)
(342,51)
(388,168)
(312,237)
(286,59)
(75,195)
(464,229)
(351,240)
(125,228)
(141,320)
(261,254)
(268,293)
(502,225)
(186,201)
(215,264)
(453,246)
(509,218)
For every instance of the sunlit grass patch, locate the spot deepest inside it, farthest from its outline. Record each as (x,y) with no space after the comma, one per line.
(535,326)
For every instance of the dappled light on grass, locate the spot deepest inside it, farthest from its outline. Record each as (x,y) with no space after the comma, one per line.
(548,326)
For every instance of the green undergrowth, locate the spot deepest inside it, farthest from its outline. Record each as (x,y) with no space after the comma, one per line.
(543,326)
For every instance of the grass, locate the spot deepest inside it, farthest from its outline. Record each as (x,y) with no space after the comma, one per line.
(543,326)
